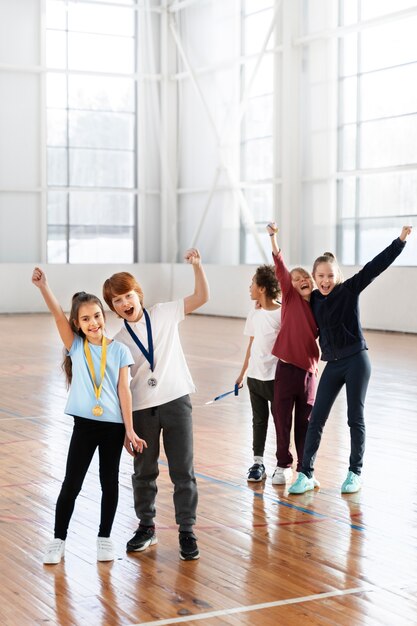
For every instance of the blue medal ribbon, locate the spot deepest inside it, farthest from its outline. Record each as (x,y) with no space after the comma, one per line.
(147,353)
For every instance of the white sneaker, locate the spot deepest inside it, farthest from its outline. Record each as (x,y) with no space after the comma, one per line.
(54,552)
(281,475)
(105,549)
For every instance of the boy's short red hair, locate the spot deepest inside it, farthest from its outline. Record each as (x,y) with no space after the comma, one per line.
(118,284)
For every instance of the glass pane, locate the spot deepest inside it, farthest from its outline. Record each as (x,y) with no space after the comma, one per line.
(347,101)
(258,159)
(253,255)
(57,166)
(258,119)
(349,12)
(116,1)
(100,53)
(256,28)
(57,127)
(347,197)
(57,207)
(347,147)
(259,201)
(389,44)
(101,93)
(56,90)
(88,18)
(252,6)
(377,234)
(94,168)
(263,82)
(56,15)
(389,92)
(57,244)
(101,244)
(102,130)
(374,8)
(389,195)
(349,55)
(56,49)
(347,242)
(91,208)
(389,142)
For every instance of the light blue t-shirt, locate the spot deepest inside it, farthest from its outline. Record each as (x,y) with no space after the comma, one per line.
(81,398)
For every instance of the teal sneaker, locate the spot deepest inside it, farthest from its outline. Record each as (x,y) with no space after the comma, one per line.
(352,483)
(303,484)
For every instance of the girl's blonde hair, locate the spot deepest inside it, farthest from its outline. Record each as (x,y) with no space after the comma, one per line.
(329,257)
(302,270)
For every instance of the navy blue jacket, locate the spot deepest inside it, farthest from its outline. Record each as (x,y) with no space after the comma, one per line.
(337,315)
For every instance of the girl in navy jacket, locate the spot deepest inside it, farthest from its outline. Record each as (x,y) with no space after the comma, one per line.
(335,305)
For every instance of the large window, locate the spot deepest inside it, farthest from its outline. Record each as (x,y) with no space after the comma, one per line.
(91,131)
(258,165)
(377,127)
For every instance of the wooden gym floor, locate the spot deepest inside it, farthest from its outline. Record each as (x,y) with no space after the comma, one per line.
(267,558)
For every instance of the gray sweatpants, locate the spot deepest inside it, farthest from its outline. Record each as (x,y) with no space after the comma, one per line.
(174,419)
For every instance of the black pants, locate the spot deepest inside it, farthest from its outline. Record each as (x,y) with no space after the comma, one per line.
(261,393)
(354,372)
(87,435)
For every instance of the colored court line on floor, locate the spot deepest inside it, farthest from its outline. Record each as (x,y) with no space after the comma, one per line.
(13,415)
(290,505)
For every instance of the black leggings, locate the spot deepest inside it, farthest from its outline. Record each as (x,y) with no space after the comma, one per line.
(87,435)
(354,372)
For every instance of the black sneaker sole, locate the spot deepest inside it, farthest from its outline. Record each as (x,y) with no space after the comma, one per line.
(189,557)
(132,548)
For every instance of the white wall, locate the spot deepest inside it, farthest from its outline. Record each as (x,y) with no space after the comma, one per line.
(390,303)
(387,304)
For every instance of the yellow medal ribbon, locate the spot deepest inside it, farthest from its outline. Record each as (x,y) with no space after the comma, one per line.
(97,410)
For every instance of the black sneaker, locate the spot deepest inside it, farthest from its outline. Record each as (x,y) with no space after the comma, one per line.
(256,473)
(144,536)
(188,546)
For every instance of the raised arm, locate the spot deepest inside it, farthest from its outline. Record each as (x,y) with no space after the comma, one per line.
(272,229)
(281,270)
(65,331)
(406,230)
(201,287)
(378,264)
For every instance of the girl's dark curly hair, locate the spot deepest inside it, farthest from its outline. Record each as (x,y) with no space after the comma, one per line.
(265,277)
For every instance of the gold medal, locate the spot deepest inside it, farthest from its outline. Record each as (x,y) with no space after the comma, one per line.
(97,410)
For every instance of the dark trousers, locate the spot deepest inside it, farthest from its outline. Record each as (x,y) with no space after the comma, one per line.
(87,435)
(294,390)
(261,393)
(354,372)
(174,419)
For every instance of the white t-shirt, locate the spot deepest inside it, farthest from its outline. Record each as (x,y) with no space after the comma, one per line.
(170,367)
(264,327)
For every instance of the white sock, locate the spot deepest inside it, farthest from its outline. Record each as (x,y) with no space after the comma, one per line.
(258,459)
